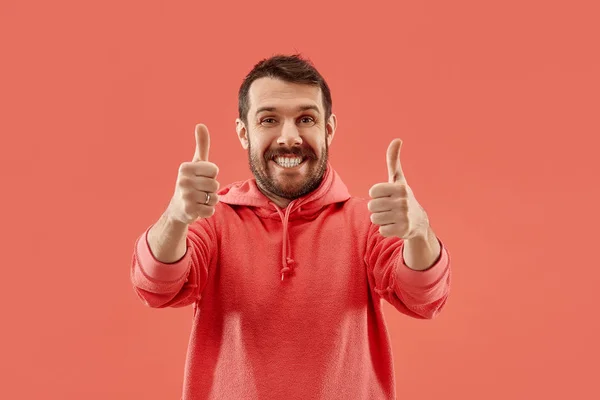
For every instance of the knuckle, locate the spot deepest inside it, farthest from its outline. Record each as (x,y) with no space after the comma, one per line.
(213,185)
(184,168)
(207,170)
(399,202)
(184,181)
(206,167)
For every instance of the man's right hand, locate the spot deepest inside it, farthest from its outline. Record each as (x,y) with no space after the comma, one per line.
(196,182)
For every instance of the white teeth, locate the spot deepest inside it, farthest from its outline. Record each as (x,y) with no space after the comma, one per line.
(288,162)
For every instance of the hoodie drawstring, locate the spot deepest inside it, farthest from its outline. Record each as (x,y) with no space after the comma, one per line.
(286,254)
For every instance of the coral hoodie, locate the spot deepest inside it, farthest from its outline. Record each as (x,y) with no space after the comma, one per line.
(288,302)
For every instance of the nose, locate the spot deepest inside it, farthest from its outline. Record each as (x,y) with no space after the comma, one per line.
(290,135)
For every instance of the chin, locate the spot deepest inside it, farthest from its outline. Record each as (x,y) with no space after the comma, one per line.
(288,181)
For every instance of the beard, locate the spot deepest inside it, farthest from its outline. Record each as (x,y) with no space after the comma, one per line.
(265,180)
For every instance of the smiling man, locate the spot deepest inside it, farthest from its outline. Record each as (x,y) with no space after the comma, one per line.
(287,271)
(291,132)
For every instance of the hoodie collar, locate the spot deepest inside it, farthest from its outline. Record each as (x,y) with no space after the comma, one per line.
(246,193)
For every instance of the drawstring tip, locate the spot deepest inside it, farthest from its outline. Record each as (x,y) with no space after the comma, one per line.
(286,269)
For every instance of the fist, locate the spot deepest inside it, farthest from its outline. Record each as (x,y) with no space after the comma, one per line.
(393,205)
(195,191)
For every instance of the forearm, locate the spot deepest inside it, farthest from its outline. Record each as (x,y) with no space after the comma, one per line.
(422,251)
(167,239)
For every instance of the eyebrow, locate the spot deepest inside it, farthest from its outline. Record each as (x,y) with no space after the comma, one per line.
(299,108)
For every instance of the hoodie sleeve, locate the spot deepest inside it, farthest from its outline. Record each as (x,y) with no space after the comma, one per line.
(176,284)
(419,294)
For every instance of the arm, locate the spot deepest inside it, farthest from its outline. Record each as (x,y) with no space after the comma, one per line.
(171,261)
(167,239)
(417,293)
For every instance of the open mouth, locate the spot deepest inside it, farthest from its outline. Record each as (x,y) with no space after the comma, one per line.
(288,161)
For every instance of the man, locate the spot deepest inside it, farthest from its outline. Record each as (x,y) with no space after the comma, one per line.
(286,272)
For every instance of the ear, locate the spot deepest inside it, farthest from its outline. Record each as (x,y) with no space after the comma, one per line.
(331,127)
(242,133)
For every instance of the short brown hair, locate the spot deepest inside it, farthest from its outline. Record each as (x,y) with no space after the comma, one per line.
(289,68)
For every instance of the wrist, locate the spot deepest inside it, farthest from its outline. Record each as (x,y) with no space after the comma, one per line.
(421,251)
(422,231)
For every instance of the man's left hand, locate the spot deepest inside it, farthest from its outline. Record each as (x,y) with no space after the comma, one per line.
(393,206)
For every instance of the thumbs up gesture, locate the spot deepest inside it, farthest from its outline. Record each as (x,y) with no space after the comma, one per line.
(195,191)
(393,205)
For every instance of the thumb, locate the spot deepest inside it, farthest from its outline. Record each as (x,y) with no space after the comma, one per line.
(202,143)
(393,161)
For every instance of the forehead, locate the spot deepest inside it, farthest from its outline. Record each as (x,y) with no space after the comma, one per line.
(280,94)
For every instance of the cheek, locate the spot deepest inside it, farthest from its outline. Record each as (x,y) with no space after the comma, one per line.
(258,148)
(261,141)
(317,145)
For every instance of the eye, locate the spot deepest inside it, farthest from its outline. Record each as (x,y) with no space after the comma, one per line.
(307,120)
(268,120)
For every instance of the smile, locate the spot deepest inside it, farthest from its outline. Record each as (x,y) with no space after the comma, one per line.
(288,162)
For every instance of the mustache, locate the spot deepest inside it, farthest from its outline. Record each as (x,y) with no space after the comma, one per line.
(297,151)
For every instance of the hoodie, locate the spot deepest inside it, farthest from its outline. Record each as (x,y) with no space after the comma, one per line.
(287,303)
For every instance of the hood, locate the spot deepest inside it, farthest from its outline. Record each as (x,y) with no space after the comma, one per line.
(246,193)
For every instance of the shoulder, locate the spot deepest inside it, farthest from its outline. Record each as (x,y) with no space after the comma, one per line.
(356,211)
(356,205)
